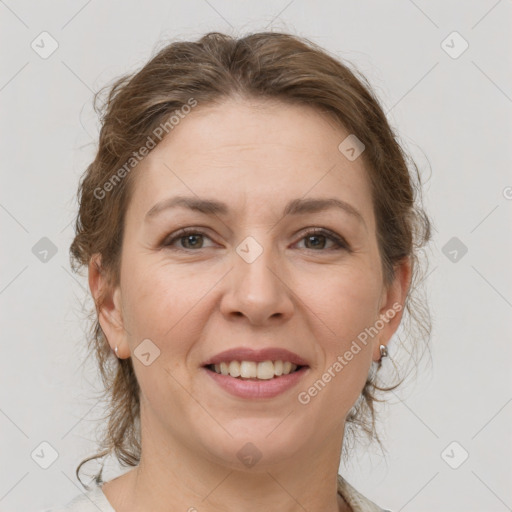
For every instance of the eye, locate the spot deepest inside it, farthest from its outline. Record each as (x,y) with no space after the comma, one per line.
(191,238)
(313,235)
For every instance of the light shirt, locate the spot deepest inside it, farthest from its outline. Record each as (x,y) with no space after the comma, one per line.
(95,500)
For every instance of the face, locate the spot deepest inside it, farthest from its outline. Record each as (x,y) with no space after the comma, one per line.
(253,275)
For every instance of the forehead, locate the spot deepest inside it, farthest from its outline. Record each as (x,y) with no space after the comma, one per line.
(263,128)
(252,151)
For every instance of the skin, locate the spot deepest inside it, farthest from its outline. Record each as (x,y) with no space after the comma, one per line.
(299,294)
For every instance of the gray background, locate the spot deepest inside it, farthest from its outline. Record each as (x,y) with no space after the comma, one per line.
(453,115)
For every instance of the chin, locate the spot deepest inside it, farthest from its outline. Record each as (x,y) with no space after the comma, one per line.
(255,447)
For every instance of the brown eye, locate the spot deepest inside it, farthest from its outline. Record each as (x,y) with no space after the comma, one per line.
(317,240)
(189,239)
(193,241)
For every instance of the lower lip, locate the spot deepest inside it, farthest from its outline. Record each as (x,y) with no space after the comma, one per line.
(257,388)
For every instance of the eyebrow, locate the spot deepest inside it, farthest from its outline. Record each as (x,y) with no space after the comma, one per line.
(213,207)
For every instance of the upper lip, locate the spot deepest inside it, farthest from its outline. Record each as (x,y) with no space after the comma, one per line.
(248,354)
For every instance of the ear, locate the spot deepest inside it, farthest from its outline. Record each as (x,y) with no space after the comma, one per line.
(108,307)
(392,305)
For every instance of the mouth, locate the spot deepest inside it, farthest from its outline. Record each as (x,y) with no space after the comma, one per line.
(256,374)
(255,371)
(256,381)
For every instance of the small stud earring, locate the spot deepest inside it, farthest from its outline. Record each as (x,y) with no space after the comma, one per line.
(116,351)
(383,352)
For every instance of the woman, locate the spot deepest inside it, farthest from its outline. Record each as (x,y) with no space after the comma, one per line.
(250,230)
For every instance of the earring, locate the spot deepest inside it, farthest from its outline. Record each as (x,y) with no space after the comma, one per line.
(115,350)
(383,352)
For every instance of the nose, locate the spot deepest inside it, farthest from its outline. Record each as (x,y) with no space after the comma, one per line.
(258,290)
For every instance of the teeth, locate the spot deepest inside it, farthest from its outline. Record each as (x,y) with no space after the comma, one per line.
(265,370)
(234,369)
(224,368)
(249,369)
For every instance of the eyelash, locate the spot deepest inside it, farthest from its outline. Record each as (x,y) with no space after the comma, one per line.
(340,243)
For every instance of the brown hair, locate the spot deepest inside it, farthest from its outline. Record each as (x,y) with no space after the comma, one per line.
(217,67)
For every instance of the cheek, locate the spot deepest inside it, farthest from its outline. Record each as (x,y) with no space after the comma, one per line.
(347,305)
(347,302)
(160,301)
(158,304)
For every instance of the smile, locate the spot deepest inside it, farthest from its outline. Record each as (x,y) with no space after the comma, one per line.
(264,370)
(276,377)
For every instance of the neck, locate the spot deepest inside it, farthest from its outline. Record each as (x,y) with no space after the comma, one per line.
(172,475)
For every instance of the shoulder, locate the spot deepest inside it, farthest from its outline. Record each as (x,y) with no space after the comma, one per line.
(93,500)
(355,499)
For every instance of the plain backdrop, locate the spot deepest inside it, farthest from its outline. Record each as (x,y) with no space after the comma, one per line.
(443,73)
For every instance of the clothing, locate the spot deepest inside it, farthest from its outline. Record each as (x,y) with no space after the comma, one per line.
(357,502)
(95,500)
